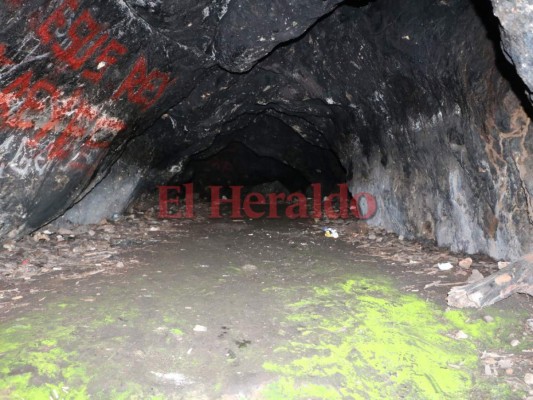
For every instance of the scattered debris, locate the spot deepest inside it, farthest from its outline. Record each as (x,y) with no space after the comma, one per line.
(516,278)
(445,266)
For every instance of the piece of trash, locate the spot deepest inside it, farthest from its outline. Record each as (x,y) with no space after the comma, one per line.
(515,343)
(475,277)
(528,379)
(331,233)
(488,319)
(466,263)
(503,264)
(200,328)
(445,266)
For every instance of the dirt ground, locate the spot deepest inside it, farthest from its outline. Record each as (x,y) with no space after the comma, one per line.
(142,308)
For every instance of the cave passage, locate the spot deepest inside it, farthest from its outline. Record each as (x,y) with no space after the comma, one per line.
(281,200)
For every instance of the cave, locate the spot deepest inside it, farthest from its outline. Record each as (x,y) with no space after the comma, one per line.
(235,199)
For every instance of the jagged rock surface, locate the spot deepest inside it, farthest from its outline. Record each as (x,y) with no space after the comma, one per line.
(411,96)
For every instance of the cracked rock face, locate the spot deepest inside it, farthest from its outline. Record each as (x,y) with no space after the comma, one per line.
(414,100)
(516,18)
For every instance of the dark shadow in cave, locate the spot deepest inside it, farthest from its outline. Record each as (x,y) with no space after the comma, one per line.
(238,165)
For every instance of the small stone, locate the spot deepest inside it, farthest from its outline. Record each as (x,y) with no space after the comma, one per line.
(515,343)
(461,335)
(249,268)
(466,263)
(10,246)
(488,319)
(200,328)
(91,232)
(41,236)
(372,237)
(476,276)
(120,264)
(503,264)
(509,371)
(506,363)
(65,232)
(530,323)
(528,379)
(401,238)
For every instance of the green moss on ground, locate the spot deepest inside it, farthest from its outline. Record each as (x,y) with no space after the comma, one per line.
(363,339)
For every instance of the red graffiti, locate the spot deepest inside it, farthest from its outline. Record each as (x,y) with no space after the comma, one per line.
(90,49)
(39,107)
(3,59)
(68,125)
(142,88)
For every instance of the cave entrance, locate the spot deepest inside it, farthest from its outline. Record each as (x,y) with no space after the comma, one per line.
(399,99)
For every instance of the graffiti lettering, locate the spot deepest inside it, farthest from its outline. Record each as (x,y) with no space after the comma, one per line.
(45,111)
(3,59)
(142,88)
(59,126)
(22,163)
(86,41)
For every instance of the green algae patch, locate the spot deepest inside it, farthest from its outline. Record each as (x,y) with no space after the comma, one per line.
(34,366)
(67,352)
(363,339)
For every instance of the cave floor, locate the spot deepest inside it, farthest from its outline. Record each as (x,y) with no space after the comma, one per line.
(265,309)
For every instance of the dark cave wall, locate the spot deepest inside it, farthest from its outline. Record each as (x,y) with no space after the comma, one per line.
(412,101)
(407,94)
(78,78)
